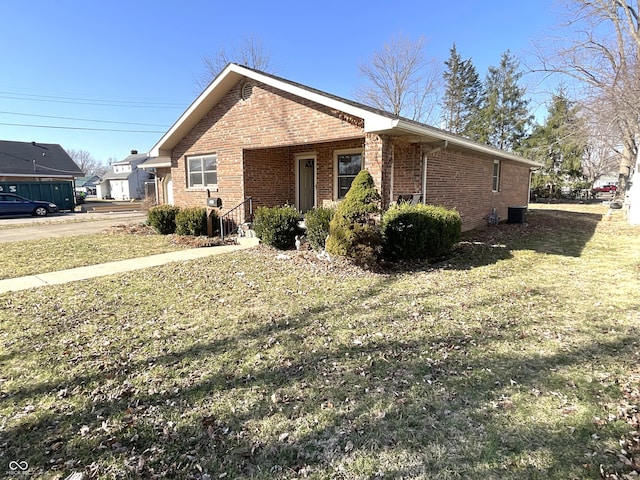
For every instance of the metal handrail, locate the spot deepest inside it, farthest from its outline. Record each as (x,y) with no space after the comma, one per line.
(233,219)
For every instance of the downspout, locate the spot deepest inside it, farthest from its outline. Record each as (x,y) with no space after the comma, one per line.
(155,181)
(424,169)
(424,178)
(393,173)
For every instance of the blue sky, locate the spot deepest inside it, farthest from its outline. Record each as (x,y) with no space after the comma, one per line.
(134,63)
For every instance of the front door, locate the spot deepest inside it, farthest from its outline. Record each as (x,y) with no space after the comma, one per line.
(306,183)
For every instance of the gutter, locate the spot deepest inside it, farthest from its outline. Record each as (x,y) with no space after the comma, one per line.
(449,138)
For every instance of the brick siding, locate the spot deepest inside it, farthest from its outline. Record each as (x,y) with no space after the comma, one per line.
(256,142)
(239,130)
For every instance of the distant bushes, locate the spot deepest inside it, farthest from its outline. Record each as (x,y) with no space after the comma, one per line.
(277,226)
(417,232)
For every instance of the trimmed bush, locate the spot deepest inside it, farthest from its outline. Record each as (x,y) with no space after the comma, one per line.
(412,232)
(192,221)
(277,226)
(317,222)
(353,231)
(163,218)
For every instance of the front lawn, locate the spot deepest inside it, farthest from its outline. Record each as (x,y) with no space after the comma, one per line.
(31,257)
(516,358)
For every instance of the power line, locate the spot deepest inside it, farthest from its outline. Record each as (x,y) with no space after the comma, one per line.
(83,119)
(88,101)
(81,128)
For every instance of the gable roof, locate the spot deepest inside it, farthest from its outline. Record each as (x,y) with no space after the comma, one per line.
(112,175)
(91,180)
(375,120)
(133,159)
(31,159)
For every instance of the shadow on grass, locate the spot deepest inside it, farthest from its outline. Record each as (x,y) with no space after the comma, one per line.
(428,406)
(552,232)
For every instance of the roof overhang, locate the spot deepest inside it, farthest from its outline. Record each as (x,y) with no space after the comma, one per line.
(39,175)
(374,121)
(227,79)
(439,139)
(156,162)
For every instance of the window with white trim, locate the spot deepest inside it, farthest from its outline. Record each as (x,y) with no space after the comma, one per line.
(202,171)
(348,164)
(495,185)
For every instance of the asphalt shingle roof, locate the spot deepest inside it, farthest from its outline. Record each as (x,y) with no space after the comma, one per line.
(36,159)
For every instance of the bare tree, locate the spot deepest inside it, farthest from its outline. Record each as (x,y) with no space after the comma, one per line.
(600,48)
(399,80)
(86,162)
(250,52)
(603,151)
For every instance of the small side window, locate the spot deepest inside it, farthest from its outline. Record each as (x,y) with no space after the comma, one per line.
(496,176)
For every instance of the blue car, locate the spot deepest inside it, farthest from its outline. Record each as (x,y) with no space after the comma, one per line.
(11,204)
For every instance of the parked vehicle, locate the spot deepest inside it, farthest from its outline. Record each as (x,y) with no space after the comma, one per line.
(610,188)
(11,204)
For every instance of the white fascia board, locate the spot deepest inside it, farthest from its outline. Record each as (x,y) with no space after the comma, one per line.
(157,162)
(200,106)
(421,130)
(229,77)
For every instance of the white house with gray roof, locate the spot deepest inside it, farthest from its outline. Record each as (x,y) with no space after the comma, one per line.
(124,180)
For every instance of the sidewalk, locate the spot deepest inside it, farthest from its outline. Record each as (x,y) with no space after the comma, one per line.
(93,271)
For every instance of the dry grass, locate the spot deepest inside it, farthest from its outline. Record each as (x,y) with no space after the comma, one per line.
(509,360)
(120,242)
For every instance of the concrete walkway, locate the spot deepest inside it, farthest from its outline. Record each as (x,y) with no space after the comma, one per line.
(93,271)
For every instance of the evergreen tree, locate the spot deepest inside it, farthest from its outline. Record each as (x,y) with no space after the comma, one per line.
(503,118)
(463,92)
(353,231)
(559,143)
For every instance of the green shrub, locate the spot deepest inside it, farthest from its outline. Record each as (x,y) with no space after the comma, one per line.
(277,226)
(192,221)
(163,218)
(317,222)
(353,231)
(419,231)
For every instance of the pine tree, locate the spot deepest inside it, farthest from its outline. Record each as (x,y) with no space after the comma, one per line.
(559,143)
(503,118)
(462,94)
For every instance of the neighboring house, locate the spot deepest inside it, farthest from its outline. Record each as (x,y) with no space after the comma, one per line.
(252,134)
(609,179)
(124,180)
(87,185)
(38,171)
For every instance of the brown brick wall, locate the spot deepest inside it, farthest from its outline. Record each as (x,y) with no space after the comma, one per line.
(256,142)
(269,118)
(407,169)
(464,181)
(270,174)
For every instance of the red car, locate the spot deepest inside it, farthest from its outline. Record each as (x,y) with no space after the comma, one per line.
(604,189)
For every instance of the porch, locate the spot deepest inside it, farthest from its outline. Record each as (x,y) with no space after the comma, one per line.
(304,176)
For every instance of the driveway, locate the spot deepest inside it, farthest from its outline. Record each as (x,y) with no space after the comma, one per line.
(63,225)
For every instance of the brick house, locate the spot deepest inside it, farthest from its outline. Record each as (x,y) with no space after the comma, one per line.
(252,134)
